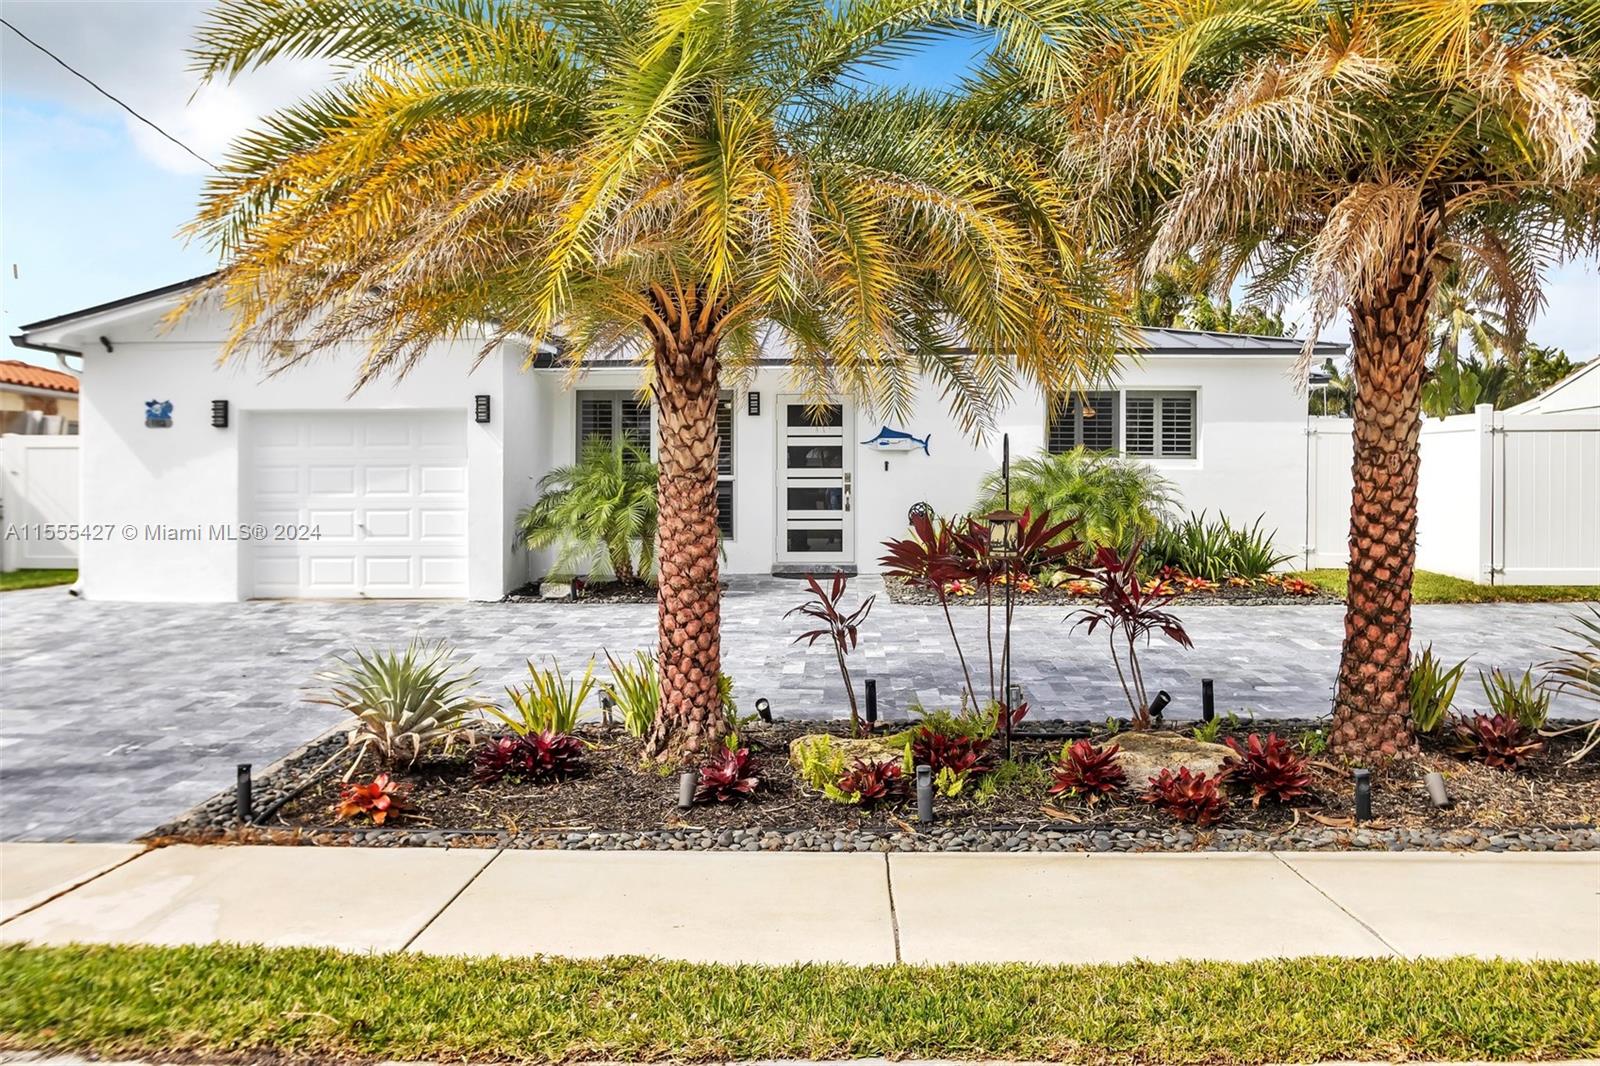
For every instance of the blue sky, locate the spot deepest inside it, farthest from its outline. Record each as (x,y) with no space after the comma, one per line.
(91,202)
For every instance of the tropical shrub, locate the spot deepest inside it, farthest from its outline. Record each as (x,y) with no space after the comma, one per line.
(405,702)
(549,702)
(1214,550)
(1115,500)
(1188,797)
(1433,690)
(1519,699)
(1576,670)
(1129,613)
(869,781)
(1088,770)
(729,776)
(533,758)
(842,630)
(954,757)
(376,800)
(600,512)
(1497,740)
(1270,768)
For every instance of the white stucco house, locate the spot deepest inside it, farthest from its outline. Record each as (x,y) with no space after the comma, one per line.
(252,485)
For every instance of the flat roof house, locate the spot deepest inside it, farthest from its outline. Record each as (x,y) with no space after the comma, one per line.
(221,482)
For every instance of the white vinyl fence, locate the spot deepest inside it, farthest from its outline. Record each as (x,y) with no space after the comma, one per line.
(38,489)
(1503,499)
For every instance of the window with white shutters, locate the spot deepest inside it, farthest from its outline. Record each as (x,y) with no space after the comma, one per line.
(607,415)
(1083,420)
(1160,425)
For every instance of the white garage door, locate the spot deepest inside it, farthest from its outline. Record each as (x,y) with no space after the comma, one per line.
(382,494)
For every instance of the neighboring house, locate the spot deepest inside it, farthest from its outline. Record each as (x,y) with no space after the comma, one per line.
(35,400)
(289,486)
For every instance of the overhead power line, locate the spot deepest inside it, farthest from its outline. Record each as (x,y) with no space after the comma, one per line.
(68,67)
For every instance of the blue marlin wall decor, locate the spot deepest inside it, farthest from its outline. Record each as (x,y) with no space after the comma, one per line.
(158,414)
(897,440)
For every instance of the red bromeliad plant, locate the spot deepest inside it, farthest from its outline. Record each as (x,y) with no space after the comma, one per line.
(957,752)
(1088,770)
(1498,739)
(728,777)
(532,757)
(1130,613)
(1271,768)
(844,630)
(873,780)
(377,799)
(1187,796)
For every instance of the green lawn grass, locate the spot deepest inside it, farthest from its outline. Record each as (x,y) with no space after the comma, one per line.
(1429,587)
(242,1001)
(35,579)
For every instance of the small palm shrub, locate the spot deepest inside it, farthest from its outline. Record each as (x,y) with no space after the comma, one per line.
(549,702)
(1088,770)
(406,702)
(1188,797)
(533,758)
(600,513)
(1433,690)
(1270,768)
(1115,500)
(1214,550)
(1497,740)
(729,776)
(1519,699)
(376,800)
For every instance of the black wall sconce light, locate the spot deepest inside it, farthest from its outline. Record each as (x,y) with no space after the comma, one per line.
(480,409)
(752,403)
(219,413)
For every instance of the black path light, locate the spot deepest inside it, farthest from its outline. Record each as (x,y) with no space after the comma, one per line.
(1363,795)
(925,794)
(1159,704)
(764,709)
(1005,538)
(243,794)
(1208,699)
(688,781)
(872,703)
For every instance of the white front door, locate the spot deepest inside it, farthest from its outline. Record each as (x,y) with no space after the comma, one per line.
(358,504)
(816,468)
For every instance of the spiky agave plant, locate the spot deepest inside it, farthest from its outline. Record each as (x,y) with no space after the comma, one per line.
(672,183)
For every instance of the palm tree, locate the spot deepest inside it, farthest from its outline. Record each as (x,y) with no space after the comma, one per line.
(1463,308)
(672,181)
(1349,151)
(597,510)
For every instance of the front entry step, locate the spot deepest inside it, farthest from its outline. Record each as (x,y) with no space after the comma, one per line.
(821,569)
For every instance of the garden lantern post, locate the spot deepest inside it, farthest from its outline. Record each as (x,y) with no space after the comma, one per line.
(1005,537)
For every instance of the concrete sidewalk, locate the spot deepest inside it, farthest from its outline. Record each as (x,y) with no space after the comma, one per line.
(800,907)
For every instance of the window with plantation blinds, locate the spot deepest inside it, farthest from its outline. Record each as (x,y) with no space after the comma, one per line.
(1084,420)
(1159,425)
(610,415)
(1154,424)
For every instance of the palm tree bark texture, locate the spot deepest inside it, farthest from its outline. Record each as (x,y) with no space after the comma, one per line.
(1389,338)
(690,723)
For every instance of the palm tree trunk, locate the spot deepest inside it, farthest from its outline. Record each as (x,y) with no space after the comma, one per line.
(690,724)
(1389,335)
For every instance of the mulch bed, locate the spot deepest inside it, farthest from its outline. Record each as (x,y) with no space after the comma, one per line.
(599,592)
(614,794)
(901,591)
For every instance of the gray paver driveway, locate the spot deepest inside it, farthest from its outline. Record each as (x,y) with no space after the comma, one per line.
(115,717)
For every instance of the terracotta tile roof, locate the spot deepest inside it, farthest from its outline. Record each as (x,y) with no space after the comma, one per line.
(16,372)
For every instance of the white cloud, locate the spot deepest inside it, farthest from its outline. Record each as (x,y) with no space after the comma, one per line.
(137,52)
